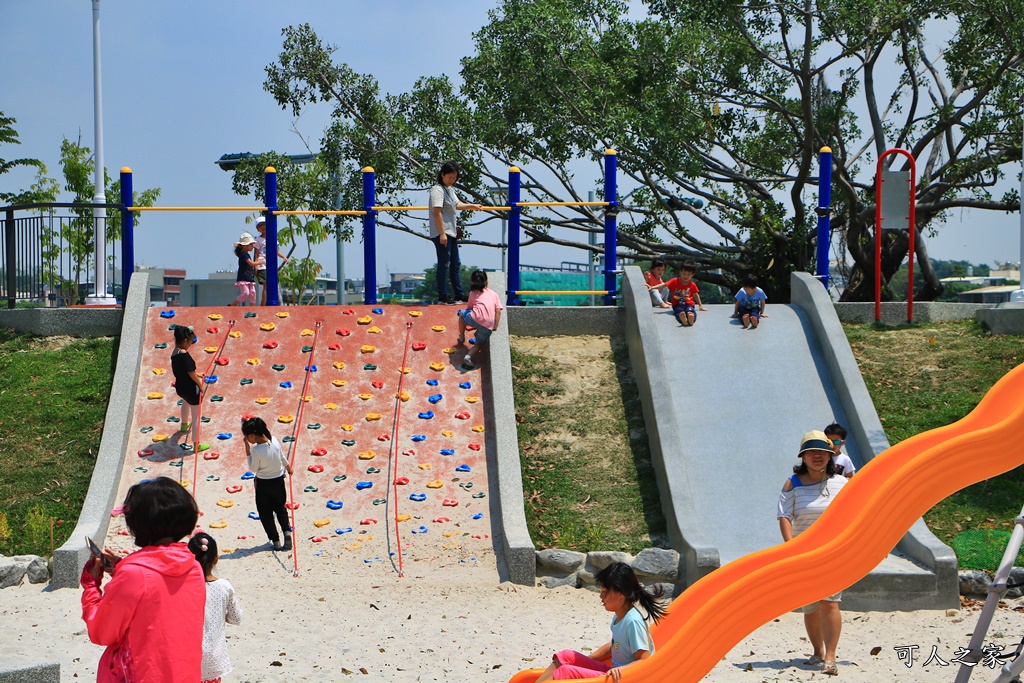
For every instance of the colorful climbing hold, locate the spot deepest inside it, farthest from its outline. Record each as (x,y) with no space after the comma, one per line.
(419,346)
(310,368)
(167,314)
(316,469)
(472,399)
(278,366)
(348,442)
(450,503)
(330,406)
(245,381)
(224,436)
(250,314)
(234,488)
(146,452)
(215,316)
(441,520)
(161,345)
(477,428)
(437,366)
(367,348)
(281,314)
(292,506)
(215,398)
(447,433)
(314,425)
(450,350)
(346,530)
(306,333)
(379,501)
(225,502)
(466,485)
(159,371)
(383,436)
(435,398)
(235,335)
(370,417)
(158,438)
(365,397)
(419,437)
(340,477)
(436,484)
(478,515)
(154,395)
(318,451)
(426,414)
(363,485)
(420,530)
(146,430)
(418,497)
(210,349)
(253,361)
(405,370)
(307,349)
(377,384)
(347,428)
(270,344)
(365,320)
(285,419)
(465,385)
(432,382)
(310,489)
(424,466)
(415,314)
(254,515)
(367,455)
(287,439)
(479,495)
(211,455)
(343,331)
(268,327)
(263,401)
(334,347)
(369,366)
(462,415)
(368,521)
(401,481)
(447,451)
(402,396)
(339,382)
(372,470)
(373,330)
(218,525)
(335,504)
(463,468)
(438,328)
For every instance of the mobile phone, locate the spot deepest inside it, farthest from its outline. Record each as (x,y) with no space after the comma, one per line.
(95,550)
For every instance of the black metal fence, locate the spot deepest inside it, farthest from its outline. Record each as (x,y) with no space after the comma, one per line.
(48,254)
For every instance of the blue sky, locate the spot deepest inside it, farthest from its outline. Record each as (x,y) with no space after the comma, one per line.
(182,84)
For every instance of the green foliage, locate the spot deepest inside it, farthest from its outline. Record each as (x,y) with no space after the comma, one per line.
(428,290)
(37,529)
(9,136)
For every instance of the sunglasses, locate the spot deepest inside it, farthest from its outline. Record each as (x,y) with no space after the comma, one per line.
(838,442)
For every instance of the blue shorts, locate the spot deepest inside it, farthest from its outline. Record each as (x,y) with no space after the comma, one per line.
(482,333)
(752,312)
(680,311)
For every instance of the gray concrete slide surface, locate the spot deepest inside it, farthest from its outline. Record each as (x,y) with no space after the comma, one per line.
(726,409)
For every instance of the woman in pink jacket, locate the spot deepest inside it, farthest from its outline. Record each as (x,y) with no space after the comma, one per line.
(150,616)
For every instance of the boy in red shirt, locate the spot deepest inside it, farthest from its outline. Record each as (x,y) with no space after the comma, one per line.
(685,294)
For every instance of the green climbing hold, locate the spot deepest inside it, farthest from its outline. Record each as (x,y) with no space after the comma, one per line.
(340,477)
(161,345)
(369,366)
(307,349)
(310,489)
(287,439)
(141,469)
(372,470)
(466,485)
(187,447)
(348,442)
(176,463)
(245,380)
(315,425)
(216,399)
(173,419)
(479,495)
(146,430)
(250,314)
(278,366)
(212,477)
(204,419)
(380,501)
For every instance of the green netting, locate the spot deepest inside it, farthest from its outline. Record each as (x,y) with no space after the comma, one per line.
(983,549)
(541,281)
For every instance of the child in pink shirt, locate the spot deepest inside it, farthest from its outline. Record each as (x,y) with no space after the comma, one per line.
(483,315)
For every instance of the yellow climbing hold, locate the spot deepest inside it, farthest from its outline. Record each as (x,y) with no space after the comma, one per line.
(153,395)
(210,349)
(339,365)
(478,428)
(330,406)
(157,438)
(436,484)
(268,327)
(415,314)
(263,401)
(472,399)
(339,382)
(158,371)
(403,396)
(366,348)
(235,335)
(447,432)
(281,314)
(306,333)
(347,428)
(405,370)
(450,350)
(365,320)
(438,328)
(253,361)
(225,502)
(370,417)
(373,330)
(307,399)
(366,397)
(215,316)
(437,366)
(227,551)
(285,419)
(367,455)
(218,525)
(403,518)
(321,522)
(449,534)
(424,466)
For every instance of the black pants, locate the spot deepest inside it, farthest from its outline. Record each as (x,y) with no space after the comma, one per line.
(448,267)
(270,499)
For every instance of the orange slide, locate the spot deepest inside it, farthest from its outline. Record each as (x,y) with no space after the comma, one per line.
(855,533)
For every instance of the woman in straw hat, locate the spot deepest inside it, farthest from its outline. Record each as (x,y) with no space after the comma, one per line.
(805,495)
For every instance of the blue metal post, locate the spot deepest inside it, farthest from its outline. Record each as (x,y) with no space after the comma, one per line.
(514,214)
(824,214)
(127,233)
(369,237)
(610,237)
(270,198)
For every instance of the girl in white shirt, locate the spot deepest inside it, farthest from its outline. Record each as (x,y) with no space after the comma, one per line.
(221,608)
(267,461)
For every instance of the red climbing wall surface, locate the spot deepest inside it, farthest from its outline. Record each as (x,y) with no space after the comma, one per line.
(343,431)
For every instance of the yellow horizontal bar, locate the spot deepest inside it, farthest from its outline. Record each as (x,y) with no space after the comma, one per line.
(561,291)
(425,208)
(562,204)
(197,208)
(320,213)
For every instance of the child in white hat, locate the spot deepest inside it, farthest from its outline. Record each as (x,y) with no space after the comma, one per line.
(245,280)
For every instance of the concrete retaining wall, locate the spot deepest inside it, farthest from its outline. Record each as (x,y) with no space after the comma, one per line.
(73,322)
(549,321)
(30,673)
(69,559)
(895,313)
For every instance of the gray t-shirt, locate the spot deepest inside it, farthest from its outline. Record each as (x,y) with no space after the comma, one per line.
(446,198)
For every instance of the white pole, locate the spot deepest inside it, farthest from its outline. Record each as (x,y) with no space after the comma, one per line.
(99,214)
(1019,294)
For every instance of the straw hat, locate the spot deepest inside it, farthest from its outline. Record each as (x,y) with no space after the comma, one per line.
(245,240)
(815,440)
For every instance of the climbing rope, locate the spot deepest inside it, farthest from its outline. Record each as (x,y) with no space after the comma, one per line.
(393,459)
(199,414)
(294,448)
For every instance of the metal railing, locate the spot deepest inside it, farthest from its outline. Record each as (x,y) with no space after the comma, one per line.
(47,254)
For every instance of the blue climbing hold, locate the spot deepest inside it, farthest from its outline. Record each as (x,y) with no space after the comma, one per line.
(254,515)
(418,497)
(167,314)
(435,398)
(335,504)
(346,530)
(247,476)
(310,368)
(478,515)
(447,451)
(377,311)
(285,385)
(462,468)
(472,340)
(426,414)
(224,436)
(431,382)
(211,379)
(465,385)
(419,437)
(420,530)
(363,485)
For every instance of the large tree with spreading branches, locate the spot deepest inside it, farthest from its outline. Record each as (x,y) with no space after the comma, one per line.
(724,101)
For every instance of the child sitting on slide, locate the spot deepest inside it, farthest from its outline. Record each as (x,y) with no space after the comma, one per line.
(653,277)
(750,302)
(685,294)
(631,641)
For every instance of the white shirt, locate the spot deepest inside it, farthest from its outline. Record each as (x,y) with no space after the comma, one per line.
(261,251)
(266,460)
(221,608)
(843,460)
(445,198)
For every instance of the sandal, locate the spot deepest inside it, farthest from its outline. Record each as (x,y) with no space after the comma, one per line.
(830,668)
(814,660)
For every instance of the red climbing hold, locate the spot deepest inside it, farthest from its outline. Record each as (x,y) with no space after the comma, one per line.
(384,437)
(212,330)
(316,469)
(377,385)
(409,451)
(210,455)
(292,506)
(343,331)
(320,539)
(462,415)
(368,521)
(334,347)
(271,344)
(145,452)
(318,451)
(441,520)
(449,503)
(419,346)
(474,446)
(401,481)
(234,488)
(348,311)
(223,360)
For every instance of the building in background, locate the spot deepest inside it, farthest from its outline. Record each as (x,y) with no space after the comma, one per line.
(164,284)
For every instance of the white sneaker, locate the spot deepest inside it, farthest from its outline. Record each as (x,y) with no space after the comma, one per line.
(468,360)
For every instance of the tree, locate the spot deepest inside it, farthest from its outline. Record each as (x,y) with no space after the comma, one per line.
(428,290)
(41,190)
(715,100)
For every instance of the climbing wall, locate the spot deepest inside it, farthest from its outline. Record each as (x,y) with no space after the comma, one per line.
(384,429)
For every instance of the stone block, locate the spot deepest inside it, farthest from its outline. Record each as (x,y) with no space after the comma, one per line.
(558,561)
(36,568)
(974,582)
(599,559)
(556,581)
(11,573)
(656,565)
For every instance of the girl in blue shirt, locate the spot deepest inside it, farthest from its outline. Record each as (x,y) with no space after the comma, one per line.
(631,641)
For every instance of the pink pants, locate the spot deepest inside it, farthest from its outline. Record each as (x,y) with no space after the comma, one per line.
(574,664)
(247,291)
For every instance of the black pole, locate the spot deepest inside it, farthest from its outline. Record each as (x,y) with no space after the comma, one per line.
(10,262)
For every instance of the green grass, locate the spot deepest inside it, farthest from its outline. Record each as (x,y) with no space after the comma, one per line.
(52,406)
(587,474)
(928,376)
